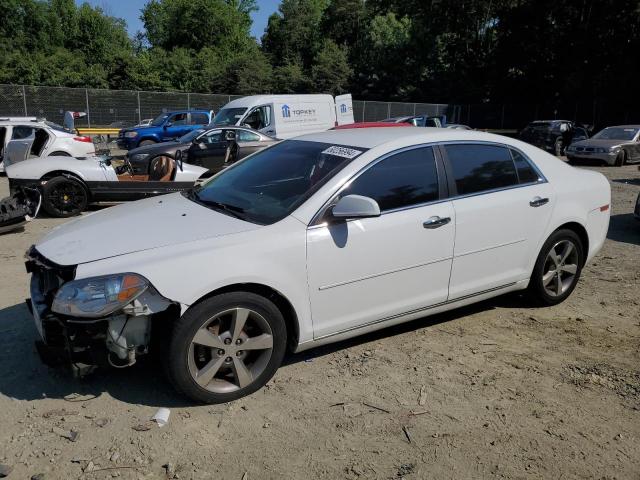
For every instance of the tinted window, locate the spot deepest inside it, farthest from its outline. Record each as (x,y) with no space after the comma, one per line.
(526,173)
(199,119)
(20,132)
(477,168)
(404,179)
(244,136)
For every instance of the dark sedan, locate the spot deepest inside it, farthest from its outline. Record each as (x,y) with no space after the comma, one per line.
(213,148)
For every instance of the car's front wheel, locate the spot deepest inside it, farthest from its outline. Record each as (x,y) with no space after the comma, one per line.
(226,347)
(620,159)
(557,269)
(64,197)
(144,143)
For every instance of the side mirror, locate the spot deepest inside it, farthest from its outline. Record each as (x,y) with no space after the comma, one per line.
(355,206)
(167,125)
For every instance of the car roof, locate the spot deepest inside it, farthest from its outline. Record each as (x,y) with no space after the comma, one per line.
(373,125)
(373,137)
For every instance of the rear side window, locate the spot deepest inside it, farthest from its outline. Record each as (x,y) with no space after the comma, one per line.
(401,180)
(526,173)
(244,136)
(199,119)
(478,168)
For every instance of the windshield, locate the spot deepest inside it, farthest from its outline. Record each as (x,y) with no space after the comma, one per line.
(190,136)
(616,133)
(159,120)
(272,183)
(228,116)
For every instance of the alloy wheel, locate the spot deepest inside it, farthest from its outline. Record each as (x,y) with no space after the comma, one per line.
(230,350)
(67,197)
(560,268)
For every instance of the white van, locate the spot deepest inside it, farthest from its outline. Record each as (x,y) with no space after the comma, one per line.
(286,116)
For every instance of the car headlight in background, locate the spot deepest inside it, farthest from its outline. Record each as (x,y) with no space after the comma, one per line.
(138,157)
(98,296)
(131,134)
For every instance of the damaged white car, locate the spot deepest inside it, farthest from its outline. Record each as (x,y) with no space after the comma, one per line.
(311,241)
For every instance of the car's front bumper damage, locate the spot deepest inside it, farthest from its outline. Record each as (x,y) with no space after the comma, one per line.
(116,340)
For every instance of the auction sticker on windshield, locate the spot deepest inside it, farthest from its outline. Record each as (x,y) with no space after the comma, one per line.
(342,152)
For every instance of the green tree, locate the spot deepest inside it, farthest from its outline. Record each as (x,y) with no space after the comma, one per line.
(331,70)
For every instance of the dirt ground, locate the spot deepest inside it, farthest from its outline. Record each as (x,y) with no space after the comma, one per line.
(499,389)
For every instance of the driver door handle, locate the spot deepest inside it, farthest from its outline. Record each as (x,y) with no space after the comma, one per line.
(538,201)
(436,222)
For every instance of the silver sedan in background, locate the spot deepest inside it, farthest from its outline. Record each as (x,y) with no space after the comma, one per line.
(612,145)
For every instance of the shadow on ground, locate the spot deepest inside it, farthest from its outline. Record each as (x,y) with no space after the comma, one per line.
(624,228)
(24,377)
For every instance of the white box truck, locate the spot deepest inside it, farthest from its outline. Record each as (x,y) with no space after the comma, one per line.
(286,116)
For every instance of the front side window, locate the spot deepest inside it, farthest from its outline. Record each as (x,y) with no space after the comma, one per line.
(178,119)
(212,136)
(159,120)
(20,132)
(270,184)
(478,168)
(199,119)
(189,137)
(402,180)
(260,117)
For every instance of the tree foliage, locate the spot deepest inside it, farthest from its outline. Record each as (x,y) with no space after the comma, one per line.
(466,51)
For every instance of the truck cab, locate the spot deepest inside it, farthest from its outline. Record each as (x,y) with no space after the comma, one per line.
(165,127)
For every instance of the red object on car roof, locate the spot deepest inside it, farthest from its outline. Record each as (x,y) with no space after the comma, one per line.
(371,125)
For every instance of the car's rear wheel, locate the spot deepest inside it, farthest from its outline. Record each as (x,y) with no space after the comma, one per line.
(557,269)
(226,347)
(146,142)
(64,197)
(620,159)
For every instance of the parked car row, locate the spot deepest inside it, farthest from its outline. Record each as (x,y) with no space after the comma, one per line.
(616,145)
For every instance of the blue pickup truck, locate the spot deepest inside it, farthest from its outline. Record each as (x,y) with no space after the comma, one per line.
(165,127)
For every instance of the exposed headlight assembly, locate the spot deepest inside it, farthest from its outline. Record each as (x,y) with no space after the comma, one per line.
(98,296)
(133,134)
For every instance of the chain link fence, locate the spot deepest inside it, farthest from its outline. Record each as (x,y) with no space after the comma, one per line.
(120,108)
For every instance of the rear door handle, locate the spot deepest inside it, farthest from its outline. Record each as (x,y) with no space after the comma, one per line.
(538,201)
(435,222)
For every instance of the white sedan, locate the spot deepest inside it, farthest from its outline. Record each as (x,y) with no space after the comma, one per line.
(45,139)
(311,241)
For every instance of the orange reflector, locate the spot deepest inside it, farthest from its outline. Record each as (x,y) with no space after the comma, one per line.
(604,208)
(130,286)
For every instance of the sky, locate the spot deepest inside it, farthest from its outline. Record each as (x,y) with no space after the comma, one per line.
(129,10)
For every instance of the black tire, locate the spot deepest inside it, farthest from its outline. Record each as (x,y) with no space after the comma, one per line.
(621,158)
(64,197)
(537,289)
(146,141)
(558,148)
(184,329)
(59,154)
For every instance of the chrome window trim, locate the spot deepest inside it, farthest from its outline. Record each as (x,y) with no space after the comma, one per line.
(447,198)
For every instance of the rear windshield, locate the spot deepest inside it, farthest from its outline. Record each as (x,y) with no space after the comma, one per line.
(270,184)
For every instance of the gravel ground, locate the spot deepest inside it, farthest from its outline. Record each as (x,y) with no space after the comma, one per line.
(498,389)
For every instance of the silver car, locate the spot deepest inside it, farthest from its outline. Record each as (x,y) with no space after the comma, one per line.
(613,145)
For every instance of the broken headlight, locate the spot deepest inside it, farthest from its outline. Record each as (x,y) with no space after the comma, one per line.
(98,296)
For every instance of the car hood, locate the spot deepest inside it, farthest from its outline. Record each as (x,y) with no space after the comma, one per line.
(164,147)
(595,142)
(136,226)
